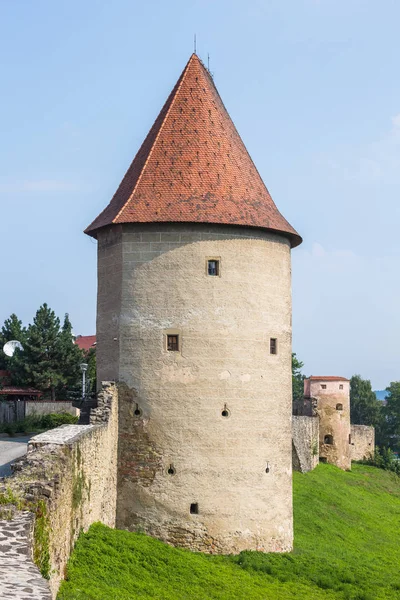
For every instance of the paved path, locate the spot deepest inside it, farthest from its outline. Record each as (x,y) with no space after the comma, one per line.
(20,579)
(10,449)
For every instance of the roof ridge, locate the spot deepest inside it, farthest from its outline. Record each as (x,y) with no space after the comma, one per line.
(156,138)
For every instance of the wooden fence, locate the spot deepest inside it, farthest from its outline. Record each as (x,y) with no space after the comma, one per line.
(12,410)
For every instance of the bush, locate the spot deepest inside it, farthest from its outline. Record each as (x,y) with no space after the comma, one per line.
(385,459)
(38,423)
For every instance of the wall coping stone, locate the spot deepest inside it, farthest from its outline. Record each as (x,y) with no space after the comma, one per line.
(64,434)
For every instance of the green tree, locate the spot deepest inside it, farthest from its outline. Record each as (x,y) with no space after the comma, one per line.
(90,359)
(391,412)
(71,356)
(364,407)
(11,330)
(297,378)
(50,360)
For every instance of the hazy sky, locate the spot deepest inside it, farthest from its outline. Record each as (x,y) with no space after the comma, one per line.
(313,87)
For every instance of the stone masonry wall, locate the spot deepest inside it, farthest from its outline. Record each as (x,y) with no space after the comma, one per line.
(362,441)
(68,481)
(188,474)
(305,431)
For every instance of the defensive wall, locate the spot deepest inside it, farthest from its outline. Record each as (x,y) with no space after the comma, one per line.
(362,442)
(305,443)
(66,482)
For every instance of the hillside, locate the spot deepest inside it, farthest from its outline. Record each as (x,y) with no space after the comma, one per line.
(347,545)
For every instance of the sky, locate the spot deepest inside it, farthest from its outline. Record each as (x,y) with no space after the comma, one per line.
(313,89)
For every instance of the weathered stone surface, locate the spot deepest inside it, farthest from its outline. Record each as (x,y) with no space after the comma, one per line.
(20,578)
(73,470)
(152,280)
(305,447)
(362,442)
(333,407)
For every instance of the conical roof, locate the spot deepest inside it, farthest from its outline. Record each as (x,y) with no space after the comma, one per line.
(194,168)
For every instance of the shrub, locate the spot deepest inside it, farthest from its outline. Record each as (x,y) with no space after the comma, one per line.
(383,458)
(38,423)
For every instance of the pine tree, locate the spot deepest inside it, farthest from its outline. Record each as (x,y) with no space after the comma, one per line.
(297,378)
(72,356)
(11,330)
(39,365)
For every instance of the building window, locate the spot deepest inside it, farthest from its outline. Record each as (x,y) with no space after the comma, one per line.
(339,406)
(273,346)
(349,438)
(341,386)
(173,343)
(194,509)
(213,267)
(328,439)
(323,386)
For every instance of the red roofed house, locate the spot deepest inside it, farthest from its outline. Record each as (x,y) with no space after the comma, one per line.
(85,342)
(11,392)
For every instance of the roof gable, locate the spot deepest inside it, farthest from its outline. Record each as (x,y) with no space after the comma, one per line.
(193,167)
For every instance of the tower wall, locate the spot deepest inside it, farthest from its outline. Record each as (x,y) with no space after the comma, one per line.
(334,411)
(158,285)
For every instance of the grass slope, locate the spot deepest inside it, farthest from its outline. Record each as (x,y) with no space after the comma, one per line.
(346,546)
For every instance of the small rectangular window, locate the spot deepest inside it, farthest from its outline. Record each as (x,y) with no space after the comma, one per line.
(341,386)
(213,268)
(273,346)
(194,509)
(173,343)
(323,386)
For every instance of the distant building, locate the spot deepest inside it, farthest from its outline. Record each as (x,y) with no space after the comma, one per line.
(12,392)
(85,342)
(333,407)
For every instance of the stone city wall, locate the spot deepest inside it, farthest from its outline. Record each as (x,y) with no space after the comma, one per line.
(45,407)
(67,481)
(362,441)
(305,443)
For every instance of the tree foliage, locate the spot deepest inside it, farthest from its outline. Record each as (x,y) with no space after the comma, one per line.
(50,360)
(11,330)
(364,407)
(297,378)
(391,412)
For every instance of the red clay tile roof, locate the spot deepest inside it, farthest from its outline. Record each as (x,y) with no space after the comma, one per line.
(9,390)
(193,167)
(85,342)
(327,378)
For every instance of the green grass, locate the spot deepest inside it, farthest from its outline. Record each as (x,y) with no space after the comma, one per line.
(347,545)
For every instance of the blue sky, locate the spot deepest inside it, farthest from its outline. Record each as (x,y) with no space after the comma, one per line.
(313,88)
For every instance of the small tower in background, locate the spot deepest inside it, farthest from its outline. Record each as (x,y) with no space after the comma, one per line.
(194,322)
(333,407)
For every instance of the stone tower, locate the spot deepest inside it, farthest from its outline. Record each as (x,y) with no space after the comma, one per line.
(194,322)
(333,407)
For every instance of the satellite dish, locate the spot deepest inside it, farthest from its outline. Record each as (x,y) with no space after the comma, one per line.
(10,347)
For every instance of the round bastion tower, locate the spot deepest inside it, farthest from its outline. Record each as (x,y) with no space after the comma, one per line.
(194,322)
